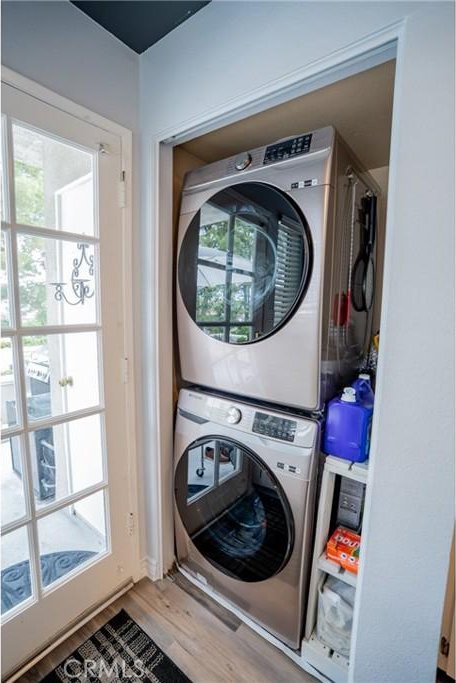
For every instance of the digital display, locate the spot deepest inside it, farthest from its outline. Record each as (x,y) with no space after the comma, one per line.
(287,148)
(277,427)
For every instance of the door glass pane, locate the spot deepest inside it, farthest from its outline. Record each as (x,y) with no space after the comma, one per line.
(72,537)
(56,281)
(210,295)
(200,469)
(241,298)
(61,373)
(241,334)
(16,580)
(240,521)
(4,282)
(245,239)
(244,258)
(230,461)
(53,183)
(213,235)
(66,459)
(8,384)
(12,483)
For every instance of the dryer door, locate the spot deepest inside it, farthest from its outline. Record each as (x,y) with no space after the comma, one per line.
(244,263)
(234,509)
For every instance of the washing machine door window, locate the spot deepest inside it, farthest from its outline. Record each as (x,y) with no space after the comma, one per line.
(234,509)
(244,263)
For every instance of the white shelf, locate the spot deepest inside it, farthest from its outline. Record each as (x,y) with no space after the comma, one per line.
(329,662)
(320,656)
(330,567)
(352,470)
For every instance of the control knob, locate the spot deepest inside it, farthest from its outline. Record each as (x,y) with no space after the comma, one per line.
(242,161)
(233,415)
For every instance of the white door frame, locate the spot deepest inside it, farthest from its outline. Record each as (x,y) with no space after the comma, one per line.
(159,423)
(49,97)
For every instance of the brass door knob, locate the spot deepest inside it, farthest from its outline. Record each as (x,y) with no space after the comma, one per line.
(66,381)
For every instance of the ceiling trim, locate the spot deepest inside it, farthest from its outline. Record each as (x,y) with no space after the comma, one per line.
(358,57)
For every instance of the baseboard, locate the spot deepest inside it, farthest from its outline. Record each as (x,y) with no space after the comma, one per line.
(150,568)
(63,635)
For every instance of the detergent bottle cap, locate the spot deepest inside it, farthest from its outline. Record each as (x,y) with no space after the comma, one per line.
(349,395)
(364,375)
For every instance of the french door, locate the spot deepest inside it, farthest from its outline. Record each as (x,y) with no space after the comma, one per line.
(66,540)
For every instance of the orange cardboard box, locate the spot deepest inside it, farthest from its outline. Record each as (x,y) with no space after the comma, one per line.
(343,548)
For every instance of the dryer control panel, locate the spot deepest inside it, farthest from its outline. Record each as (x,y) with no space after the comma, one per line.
(287,148)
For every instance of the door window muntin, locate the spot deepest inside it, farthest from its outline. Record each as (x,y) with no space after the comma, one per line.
(218,477)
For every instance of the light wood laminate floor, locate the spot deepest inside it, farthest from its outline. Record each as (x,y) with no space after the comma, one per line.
(205,640)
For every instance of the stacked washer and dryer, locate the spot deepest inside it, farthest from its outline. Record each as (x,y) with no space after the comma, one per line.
(272,321)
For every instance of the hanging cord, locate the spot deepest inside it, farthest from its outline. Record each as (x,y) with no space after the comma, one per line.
(370,326)
(354,183)
(339,291)
(370,313)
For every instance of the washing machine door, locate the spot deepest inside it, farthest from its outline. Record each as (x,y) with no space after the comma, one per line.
(234,509)
(244,263)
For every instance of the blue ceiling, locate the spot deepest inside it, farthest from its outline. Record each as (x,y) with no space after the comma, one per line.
(140,23)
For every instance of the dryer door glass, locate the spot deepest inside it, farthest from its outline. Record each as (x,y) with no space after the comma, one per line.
(244,263)
(234,509)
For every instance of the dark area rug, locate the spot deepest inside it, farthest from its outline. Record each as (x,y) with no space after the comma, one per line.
(193,489)
(119,651)
(15,581)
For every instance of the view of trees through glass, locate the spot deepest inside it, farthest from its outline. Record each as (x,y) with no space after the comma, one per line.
(243,263)
(52,189)
(226,276)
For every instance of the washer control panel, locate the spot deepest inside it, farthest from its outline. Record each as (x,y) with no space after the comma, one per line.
(288,148)
(286,429)
(272,425)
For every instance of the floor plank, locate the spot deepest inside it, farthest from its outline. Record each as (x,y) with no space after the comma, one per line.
(228,618)
(209,643)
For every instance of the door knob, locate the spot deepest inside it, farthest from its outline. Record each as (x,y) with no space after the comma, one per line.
(66,381)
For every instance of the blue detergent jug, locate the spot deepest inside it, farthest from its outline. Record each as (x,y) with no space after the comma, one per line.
(347,429)
(363,388)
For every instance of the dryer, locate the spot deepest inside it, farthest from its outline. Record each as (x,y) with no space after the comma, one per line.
(244,484)
(266,247)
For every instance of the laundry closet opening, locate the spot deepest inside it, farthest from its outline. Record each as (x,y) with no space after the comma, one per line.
(279,233)
(360,110)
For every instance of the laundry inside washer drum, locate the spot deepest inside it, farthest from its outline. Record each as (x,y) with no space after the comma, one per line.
(243,529)
(249,541)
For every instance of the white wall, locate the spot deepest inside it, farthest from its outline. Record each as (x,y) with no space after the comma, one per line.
(58,46)
(222,58)
(410,511)
(231,49)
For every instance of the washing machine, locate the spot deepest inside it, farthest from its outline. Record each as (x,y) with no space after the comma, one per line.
(267,247)
(244,485)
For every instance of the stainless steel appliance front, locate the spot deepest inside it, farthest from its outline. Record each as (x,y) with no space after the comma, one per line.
(265,249)
(244,499)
